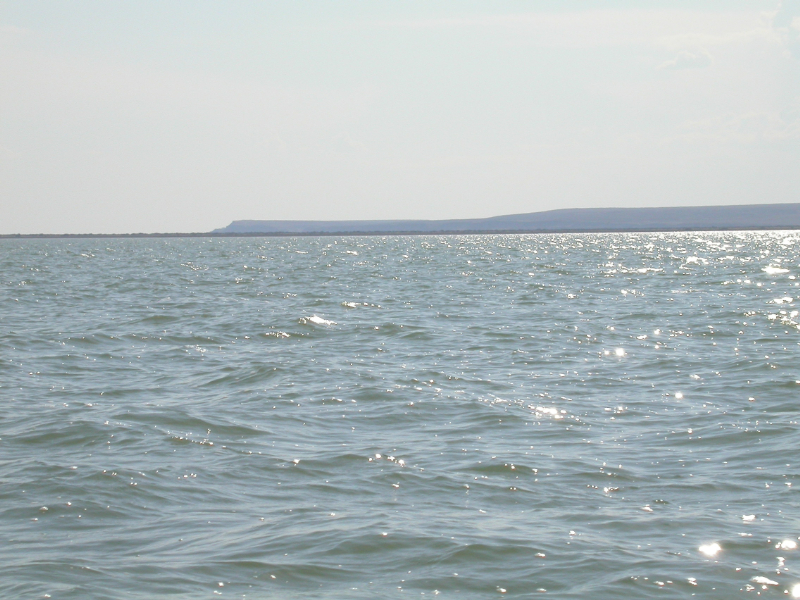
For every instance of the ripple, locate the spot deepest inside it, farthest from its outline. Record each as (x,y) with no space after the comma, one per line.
(593,415)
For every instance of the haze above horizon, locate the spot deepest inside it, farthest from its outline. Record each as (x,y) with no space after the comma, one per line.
(166,116)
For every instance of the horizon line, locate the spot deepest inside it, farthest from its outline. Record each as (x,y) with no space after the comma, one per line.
(213,234)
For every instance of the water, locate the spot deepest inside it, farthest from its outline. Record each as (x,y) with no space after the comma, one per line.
(573,416)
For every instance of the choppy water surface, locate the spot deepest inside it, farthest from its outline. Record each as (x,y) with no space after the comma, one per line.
(579,416)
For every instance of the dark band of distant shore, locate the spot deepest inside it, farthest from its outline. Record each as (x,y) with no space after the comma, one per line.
(28,236)
(747,217)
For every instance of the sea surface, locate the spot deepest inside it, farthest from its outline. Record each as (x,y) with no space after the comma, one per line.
(593,416)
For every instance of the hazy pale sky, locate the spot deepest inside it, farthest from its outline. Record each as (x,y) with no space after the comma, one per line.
(183,116)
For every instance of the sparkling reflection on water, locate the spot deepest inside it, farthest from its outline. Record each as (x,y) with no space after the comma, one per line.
(604,416)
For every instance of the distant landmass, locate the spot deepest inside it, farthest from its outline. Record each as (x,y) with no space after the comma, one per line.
(748,216)
(565,220)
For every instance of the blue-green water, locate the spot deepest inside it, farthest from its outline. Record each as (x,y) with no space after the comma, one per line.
(573,416)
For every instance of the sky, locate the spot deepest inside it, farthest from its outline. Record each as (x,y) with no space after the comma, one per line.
(164,116)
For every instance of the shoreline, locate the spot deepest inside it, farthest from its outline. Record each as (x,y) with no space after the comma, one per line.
(28,236)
